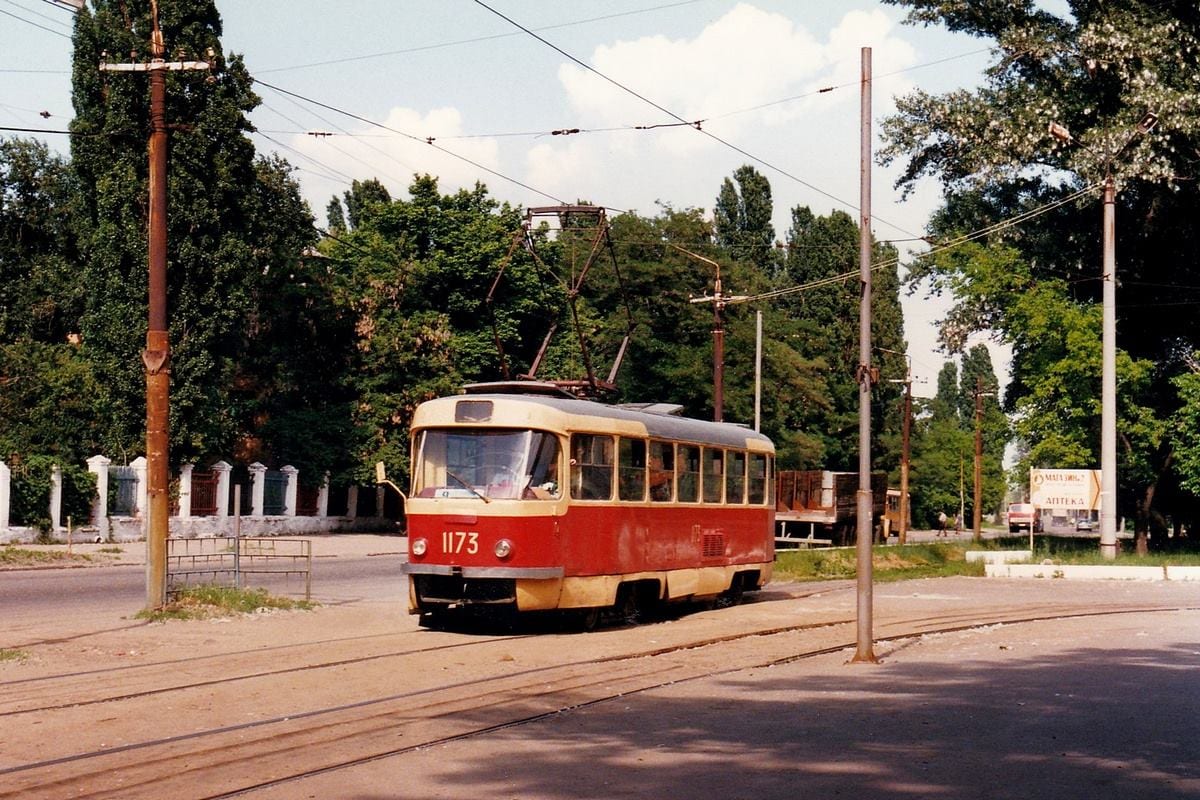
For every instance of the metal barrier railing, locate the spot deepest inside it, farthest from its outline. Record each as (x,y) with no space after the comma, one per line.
(229,560)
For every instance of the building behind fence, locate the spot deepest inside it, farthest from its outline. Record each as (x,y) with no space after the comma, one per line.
(274,503)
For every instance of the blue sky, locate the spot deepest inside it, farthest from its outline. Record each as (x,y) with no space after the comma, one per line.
(490,93)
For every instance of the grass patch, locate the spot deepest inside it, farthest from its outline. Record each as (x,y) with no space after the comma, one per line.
(887,563)
(894,563)
(12,655)
(208,601)
(115,550)
(23,557)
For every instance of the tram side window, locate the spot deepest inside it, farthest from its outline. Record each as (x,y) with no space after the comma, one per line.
(662,472)
(689,473)
(714,478)
(591,466)
(735,477)
(756,482)
(631,469)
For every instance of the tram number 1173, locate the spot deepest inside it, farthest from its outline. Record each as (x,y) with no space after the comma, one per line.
(460,542)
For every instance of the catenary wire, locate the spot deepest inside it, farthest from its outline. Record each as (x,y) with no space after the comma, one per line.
(677,118)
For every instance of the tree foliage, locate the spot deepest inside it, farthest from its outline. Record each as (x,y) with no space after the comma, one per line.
(1096,72)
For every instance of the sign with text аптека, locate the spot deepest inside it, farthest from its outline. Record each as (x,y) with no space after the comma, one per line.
(1070,489)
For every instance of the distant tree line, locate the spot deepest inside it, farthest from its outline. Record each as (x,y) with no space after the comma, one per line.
(312,346)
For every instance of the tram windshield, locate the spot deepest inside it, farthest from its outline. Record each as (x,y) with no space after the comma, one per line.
(487,464)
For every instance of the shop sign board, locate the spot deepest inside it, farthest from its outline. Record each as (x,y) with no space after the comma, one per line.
(1067,489)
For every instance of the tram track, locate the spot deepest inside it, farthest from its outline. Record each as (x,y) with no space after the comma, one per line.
(233,759)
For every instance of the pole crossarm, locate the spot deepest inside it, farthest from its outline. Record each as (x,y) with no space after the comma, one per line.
(156,65)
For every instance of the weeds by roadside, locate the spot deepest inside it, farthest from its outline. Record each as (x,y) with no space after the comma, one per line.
(208,602)
(888,563)
(24,557)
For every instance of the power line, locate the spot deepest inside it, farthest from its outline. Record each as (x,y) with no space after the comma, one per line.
(410,136)
(474,40)
(34,24)
(680,119)
(55,20)
(946,245)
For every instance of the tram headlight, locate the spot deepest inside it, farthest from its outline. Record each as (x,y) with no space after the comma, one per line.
(503,548)
(418,547)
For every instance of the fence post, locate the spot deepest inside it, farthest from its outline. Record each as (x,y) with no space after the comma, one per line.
(5,494)
(185,490)
(379,502)
(222,469)
(352,502)
(139,489)
(258,481)
(289,491)
(323,497)
(98,466)
(56,489)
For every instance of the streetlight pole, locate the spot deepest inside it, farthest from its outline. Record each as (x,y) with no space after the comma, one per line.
(1108,376)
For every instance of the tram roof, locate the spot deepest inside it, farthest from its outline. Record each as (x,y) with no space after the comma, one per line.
(657,423)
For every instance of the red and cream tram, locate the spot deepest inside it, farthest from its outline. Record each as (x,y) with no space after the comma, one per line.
(537,500)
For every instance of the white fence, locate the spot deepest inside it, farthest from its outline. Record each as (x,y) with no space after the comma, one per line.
(128,523)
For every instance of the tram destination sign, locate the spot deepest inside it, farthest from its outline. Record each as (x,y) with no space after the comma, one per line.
(1070,489)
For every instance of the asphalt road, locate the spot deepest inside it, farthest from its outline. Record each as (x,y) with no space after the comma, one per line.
(118,590)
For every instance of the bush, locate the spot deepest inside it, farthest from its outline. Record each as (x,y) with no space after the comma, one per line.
(31,483)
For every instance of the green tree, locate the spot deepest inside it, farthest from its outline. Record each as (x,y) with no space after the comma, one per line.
(742,218)
(40,294)
(235,223)
(1096,72)
(827,334)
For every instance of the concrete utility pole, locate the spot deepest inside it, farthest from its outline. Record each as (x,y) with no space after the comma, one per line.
(1108,375)
(156,356)
(866,644)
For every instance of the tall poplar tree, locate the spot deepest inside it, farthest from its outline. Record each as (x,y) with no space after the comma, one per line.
(236,225)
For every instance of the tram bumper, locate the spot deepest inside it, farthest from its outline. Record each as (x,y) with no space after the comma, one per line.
(436,586)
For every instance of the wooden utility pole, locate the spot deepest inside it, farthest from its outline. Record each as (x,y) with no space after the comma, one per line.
(156,357)
(719,300)
(977,514)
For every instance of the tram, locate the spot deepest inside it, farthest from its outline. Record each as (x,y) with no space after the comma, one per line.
(525,498)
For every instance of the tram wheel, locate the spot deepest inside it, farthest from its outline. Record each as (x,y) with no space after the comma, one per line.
(434,620)
(734,594)
(586,619)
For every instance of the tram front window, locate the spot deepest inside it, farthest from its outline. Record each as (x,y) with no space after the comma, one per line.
(489,464)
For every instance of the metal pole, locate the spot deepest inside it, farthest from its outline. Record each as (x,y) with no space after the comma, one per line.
(904,457)
(977,514)
(156,356)
(718,356)
(757,370)
(1108,381)
(865,651)
(237,536)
